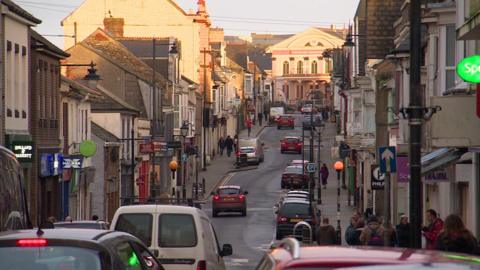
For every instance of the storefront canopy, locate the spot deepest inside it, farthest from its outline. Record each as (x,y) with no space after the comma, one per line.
(440,158)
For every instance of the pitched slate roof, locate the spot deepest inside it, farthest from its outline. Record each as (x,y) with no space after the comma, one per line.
(47,44)
(103,134)
(80,89)
(109,48)
(20,11)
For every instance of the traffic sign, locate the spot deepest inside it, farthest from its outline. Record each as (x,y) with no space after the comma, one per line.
(377,178)
(310,167)
(388,159)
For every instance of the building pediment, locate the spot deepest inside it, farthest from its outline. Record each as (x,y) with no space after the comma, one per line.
(317,39)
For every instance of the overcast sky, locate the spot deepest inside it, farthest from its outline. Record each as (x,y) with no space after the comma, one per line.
(236,17)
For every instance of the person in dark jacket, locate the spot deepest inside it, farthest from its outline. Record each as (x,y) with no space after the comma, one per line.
(351,228)
(403,232)
(221,145)
(455,237)
(229,145)
(326,234)
(355,236)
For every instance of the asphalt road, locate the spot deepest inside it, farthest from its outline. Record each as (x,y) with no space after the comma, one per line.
(252,235)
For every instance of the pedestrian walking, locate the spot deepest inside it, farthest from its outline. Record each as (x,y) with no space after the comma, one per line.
(229,145)
(249,124)
(369,210)
(351,228)
(403,232)
(373,234)
(326,234)
(260,118)
(455,237)
(433,229)
(324,173)
(221,145)
(265,115)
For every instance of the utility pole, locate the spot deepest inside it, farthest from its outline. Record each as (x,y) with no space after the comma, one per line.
(312,181)
(415,117)
(318,168)
(154,125)
(206,112)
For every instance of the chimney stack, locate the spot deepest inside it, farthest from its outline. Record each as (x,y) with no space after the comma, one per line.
(114,26)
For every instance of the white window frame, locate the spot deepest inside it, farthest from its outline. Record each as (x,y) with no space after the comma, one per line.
(443,68)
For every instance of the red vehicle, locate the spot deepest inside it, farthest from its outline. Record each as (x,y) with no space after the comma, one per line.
(289,255)
(229,199)
(291,144)
(294,178)
(286,121)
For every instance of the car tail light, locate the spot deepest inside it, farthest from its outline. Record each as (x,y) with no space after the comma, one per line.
(237,153)
(202,265)
(35,242)
(216,198)
(242,197)
(284,176)
(281,219)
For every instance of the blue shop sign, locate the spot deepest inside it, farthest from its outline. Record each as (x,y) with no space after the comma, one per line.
(51,164)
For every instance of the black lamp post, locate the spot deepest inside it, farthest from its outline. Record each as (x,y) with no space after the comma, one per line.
(184,132)
(338,166)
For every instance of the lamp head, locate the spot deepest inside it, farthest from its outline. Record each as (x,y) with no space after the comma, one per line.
(173,165)
(338,166)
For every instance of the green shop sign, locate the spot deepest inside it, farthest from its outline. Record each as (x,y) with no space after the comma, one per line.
(469,69)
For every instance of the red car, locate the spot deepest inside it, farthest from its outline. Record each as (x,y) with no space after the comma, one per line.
(291,144)
(294,178)
(229,199)
(289,255)
(286,121)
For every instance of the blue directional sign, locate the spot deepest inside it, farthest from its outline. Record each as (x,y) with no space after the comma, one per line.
(310,167)
(388,159)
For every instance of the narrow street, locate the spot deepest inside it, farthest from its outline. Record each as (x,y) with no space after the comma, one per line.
(251,236)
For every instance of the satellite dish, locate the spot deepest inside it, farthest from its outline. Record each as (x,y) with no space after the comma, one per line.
(88,148)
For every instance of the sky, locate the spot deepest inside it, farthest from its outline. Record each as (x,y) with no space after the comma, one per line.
(236,17)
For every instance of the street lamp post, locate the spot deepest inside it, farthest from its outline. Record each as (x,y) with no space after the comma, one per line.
(173,165)
(338,166)
(184,132)
(319,190)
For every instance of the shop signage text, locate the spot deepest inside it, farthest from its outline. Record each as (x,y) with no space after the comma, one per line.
(23,151)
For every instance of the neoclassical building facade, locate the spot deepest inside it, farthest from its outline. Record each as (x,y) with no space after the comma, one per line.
(300,68)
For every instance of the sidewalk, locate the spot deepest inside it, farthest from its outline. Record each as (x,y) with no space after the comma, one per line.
(328,207)
(221,166)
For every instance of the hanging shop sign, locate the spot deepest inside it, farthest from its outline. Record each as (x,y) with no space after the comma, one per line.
(51,164)
(469,69)
(72,162)
(23,151)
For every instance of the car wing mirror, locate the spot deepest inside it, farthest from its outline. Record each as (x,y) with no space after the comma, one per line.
(245,192)
(227,250)
(212,193)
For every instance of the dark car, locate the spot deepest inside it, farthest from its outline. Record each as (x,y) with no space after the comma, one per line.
(292,212)
(294,178)
(229,199)
(291,144)
(307,123)
(78,249)
(286,122)
(83,224)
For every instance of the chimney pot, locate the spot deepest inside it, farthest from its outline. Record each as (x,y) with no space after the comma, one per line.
(114,26)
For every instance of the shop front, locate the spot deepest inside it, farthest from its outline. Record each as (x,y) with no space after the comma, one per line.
(49,190)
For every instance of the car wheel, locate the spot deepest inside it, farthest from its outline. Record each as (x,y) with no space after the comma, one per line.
(214,213)
(282,185)
(278,127)
(244,213)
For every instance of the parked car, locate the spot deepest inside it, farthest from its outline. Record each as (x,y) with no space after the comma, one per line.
(83,224)
(181,237)
(253,149)
(291,143)
(292,212)
(307,124)
(229,199)
(286,122)
(288,254)
(79,249)
(308,108)
(294,178)
(298,162)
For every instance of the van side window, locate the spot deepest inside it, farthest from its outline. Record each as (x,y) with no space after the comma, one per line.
(140,225)
(177,230)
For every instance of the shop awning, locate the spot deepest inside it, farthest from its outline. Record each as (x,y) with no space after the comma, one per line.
(440,158)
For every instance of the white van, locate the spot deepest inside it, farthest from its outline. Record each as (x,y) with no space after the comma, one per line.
(253,149)
(181,237)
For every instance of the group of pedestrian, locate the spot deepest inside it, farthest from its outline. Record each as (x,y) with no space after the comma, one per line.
(226,143)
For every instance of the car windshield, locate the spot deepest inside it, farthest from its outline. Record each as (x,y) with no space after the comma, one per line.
(177,230)
(291,140)
(50,257)
(294,169)
(140,225)
(79,225)
(295,209)
(228,191)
